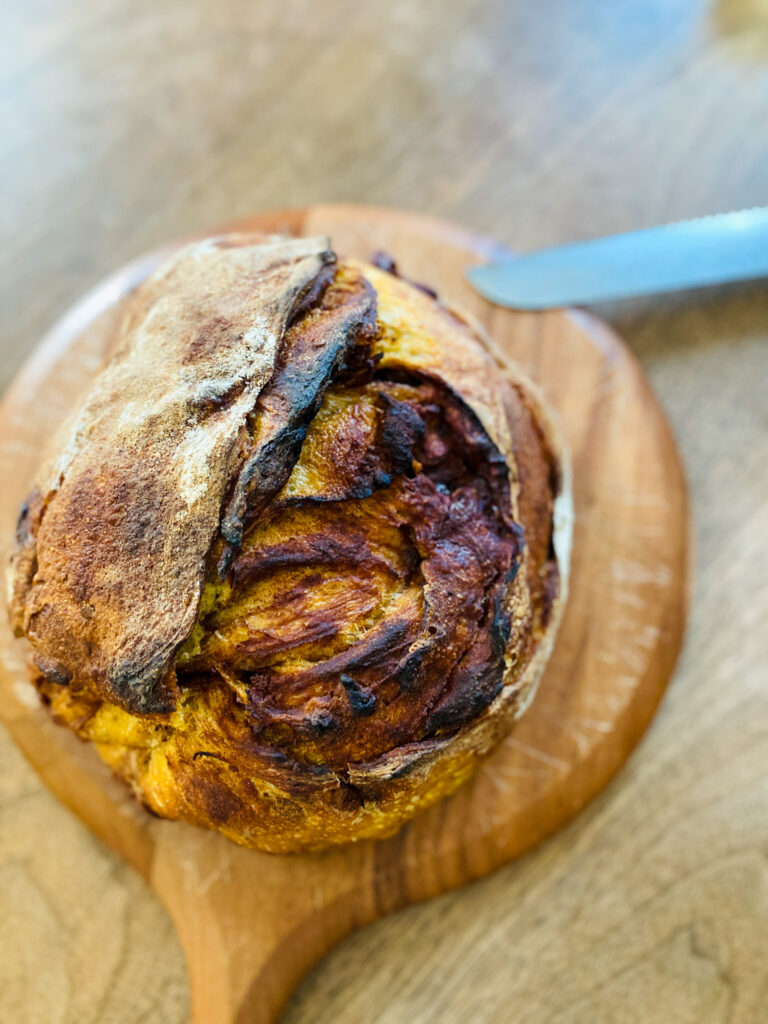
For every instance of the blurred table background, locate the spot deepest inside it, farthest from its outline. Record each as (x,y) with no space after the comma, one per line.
(126,123)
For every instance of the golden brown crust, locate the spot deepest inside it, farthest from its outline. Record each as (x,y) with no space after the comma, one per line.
(380,600)
(109,576)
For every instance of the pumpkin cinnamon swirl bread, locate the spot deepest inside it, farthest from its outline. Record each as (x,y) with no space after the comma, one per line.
(297,561)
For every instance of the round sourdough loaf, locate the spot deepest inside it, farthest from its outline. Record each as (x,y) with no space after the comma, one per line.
(297,561)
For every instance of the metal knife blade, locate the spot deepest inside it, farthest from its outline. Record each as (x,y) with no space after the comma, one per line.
(688,254)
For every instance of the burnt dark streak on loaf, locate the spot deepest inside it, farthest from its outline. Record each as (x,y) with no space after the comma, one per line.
(313,351)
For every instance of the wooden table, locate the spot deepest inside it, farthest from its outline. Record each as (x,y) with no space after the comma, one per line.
(128,123)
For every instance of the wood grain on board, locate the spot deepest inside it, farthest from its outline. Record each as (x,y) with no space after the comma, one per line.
(251,924)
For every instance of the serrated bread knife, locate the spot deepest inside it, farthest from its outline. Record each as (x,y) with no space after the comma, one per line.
(688,254)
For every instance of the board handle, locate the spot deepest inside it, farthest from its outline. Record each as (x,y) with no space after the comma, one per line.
(251,931)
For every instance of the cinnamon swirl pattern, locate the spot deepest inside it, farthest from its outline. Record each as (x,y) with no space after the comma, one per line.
(297,562)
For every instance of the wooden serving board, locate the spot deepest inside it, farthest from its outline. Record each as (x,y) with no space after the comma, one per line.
(252,924)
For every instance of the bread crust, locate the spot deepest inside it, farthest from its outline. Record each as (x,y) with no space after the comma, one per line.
(109,600)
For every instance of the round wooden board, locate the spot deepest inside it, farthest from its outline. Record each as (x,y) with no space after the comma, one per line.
(251,924)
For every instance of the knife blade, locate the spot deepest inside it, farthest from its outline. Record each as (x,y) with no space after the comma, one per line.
(688,254)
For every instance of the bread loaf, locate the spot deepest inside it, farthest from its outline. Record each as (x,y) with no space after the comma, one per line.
(297,561)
